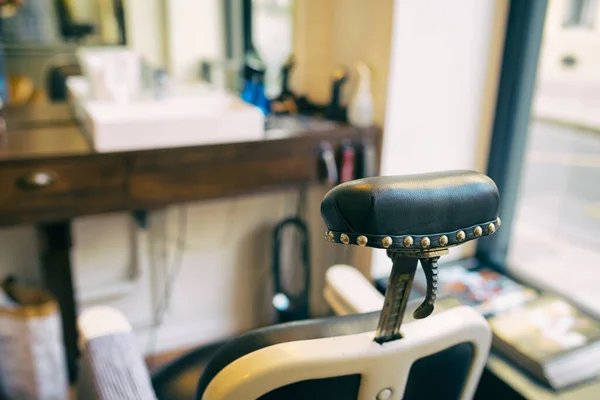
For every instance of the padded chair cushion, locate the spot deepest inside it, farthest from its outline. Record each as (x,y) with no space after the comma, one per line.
(426,205)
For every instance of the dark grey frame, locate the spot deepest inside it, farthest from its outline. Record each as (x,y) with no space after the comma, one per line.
(524,30)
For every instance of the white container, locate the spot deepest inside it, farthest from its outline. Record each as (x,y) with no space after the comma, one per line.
(191,115)
(32,357)
(113,72)
(360,108)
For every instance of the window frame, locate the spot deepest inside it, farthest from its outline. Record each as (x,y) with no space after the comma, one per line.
(520,59)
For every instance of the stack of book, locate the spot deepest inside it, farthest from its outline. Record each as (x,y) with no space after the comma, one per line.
(542,333)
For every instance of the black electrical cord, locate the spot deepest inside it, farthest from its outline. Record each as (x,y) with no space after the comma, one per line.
(291,307)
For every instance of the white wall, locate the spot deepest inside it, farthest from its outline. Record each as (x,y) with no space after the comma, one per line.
(176,34)
(444,63)
(145,26)
(221,289)
(194,32)
(223,286)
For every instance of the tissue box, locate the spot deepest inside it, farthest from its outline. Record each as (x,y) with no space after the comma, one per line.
(113,72)
(191,115)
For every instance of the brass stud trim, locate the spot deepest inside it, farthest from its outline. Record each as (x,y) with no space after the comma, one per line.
(443,240)
(410,242)
(498,222)
(362,240)
(344,238)
(386,242)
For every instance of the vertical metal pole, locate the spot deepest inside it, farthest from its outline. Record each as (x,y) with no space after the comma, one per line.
(58,278)
(396,297)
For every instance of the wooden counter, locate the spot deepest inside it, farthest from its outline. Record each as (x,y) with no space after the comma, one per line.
(49,172)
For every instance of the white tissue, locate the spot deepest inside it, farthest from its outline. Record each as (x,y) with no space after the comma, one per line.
(114,73)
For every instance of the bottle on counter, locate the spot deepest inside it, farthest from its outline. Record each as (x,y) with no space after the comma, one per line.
(360,108)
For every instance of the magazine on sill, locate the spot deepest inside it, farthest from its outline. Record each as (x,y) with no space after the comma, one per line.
(483,289)
(544,335)
(551,339)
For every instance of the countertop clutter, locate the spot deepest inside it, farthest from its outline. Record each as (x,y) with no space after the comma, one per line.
(50,171)
(193,115)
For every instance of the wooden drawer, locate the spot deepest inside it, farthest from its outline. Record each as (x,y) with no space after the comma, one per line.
(51,189)
(223,170)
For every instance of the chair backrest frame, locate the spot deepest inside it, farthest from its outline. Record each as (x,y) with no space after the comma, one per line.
(381,366)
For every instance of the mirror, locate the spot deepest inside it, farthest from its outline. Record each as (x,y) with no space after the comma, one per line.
(90,22)
(259,40)
(272,39)
(193,39)
(40,38)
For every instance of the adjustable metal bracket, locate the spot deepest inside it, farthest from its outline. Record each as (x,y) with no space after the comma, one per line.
(398,290)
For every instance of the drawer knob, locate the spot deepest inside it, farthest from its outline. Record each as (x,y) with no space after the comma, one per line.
(37,179)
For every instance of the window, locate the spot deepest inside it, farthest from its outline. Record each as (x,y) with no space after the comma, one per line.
(545,158)
(580,14)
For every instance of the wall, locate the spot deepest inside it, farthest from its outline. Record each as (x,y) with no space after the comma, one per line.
(444,69)
(194,32)
(176,35)
(145,26)
(220,289)
(342,32)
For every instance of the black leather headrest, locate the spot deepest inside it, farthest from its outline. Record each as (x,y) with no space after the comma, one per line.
(434,210)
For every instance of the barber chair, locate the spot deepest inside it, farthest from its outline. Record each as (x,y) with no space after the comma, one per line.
(371,355)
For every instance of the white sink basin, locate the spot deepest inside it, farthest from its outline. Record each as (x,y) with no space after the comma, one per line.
(191,115)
